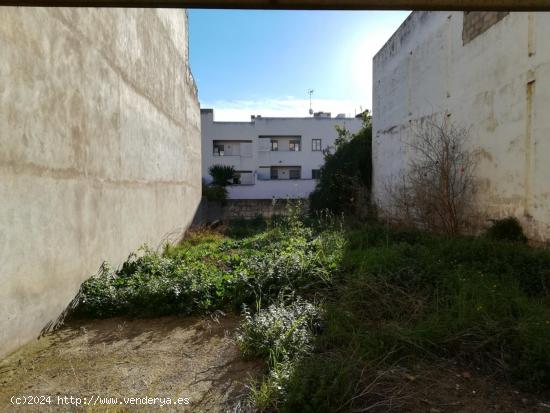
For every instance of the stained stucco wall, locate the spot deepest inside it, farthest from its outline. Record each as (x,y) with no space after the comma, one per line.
(495,82)
(99,150)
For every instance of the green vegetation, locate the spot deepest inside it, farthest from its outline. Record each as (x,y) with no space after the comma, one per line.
(406,295)
(508,229)
(345,182)
(209,271)
(346,175)
(282,334)
(215,193)
(241,228)
(222,176)
(330,306)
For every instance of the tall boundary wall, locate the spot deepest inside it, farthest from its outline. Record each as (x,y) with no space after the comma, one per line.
(488,72)
(99,150)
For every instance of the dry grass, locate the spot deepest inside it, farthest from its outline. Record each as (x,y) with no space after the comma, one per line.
(164,357)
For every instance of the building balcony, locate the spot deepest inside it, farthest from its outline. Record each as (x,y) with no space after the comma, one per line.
(221,154)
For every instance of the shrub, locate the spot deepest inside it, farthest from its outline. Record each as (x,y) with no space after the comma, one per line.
(215,193)
(282,334)
(388,296)
(507,229)
(151,285)
(284,331)
(222,175)
(242,228)
(345,182)
(435,191)
(207,271)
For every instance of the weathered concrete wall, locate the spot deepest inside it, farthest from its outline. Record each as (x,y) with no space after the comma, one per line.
(275,188)
(210,211)
(99,150)
(494,80)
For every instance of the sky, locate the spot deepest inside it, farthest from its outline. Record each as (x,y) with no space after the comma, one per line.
(264,62)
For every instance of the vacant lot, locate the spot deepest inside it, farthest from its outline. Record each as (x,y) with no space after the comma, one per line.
(194,358)
(336,316)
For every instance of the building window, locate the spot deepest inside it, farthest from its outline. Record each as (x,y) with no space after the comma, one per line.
(274,173)
(315,174)
(218,149)
(244,178)
(294,174)
(294,146)
(316,145)
(274,145)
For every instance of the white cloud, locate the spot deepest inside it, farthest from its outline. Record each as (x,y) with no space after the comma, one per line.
(241,110)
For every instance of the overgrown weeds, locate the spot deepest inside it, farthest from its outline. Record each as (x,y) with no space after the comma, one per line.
(335,311)
(282,334)
(507,229)
(208,271)
(405,296)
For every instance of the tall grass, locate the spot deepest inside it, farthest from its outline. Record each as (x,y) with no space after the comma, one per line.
(331,308)
(407,295)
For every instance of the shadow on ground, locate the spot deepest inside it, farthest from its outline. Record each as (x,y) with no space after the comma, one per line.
(187,357)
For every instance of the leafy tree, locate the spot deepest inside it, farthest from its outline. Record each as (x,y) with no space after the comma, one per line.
(346,176)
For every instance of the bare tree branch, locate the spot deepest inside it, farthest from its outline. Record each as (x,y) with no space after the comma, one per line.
(436,190)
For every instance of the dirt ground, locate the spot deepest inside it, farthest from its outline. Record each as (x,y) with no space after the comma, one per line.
(196,358)
(193,358)
(445,387)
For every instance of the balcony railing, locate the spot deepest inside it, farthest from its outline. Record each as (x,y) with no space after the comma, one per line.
(224,154)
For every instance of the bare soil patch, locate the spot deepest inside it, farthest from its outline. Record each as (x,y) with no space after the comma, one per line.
(196,358)
(191,357)
(450,388)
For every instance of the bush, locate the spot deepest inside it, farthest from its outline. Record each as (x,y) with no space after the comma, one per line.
(151,285)
(436,190)
(222,175)
(507,229)
(208,271)
(283,331)
(215,193)
(282,334)
(242,228)
(388,296)
(410,295)
(345,182)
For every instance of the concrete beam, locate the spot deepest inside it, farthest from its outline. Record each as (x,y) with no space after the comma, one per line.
(481,5)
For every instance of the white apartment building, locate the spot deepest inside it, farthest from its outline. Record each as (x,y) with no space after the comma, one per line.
(274,157)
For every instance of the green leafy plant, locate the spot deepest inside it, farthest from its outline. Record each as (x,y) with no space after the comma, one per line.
(345,180)
(508,229)
(281,334)
(283,329)
(222,175)
(382,296)
(208,271)
(215,193)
